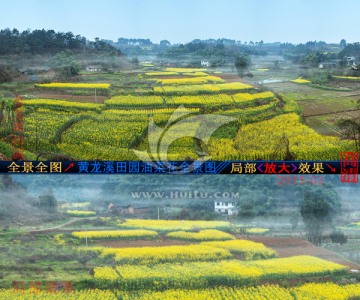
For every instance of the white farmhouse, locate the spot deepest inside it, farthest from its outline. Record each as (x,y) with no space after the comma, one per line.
(205,63)
(93,68)
(225,207)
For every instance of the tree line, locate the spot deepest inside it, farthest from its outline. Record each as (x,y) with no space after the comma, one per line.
(47,41)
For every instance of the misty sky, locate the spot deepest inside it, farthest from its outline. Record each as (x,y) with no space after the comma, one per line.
(293,21)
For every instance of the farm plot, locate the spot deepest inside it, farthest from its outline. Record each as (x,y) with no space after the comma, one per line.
(249,250)
(196,275)
(116,234)
(305,142)
(173,225)
(167,254)
(314,291)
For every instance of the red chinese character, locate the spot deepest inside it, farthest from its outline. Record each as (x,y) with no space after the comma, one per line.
(270,168)
(284,168)
(349,166)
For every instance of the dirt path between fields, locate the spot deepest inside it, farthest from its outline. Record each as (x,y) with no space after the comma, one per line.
(59,226)
(291,246)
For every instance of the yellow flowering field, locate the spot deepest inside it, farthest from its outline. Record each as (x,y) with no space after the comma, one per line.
(191,80)
(173,225)
(45,121)
(62,104)
(347,77)
(269,292)
(118,133)
(147,112)
(205,88)
(183,70)
(304,141)
(161,73)
(328,291)
(59,238)
(131,100)
(300,80)
(245,115)
(297,265)
(197,275)
(80,213)
(203,100)
(35,294)
(195,74)
(116,234)
(203,235)
(67,85)
(249,250)
(96,249)
(166,254)
(246,97)
(83,150)
(256,230)
(311,291)
(105,273)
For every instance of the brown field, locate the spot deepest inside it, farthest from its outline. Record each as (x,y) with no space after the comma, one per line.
(316,109)
(286,247)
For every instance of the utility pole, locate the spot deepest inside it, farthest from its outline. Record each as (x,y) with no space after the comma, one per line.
(158,213)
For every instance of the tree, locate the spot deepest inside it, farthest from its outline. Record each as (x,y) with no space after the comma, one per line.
(317,211)
(242,62)
(351,130)
(65,63)
(246,211)
(276,64)
(343,43)
(48,201)
(165,43)
(294,220)
(337,236)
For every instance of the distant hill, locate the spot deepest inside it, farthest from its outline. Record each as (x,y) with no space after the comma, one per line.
(17,207)
(48,42)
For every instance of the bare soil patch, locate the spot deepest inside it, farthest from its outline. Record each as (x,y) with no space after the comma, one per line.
(233,78)
(311,108)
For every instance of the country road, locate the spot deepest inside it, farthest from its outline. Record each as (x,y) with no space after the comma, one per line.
(64,224)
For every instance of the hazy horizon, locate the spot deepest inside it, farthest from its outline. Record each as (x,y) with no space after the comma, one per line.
(295,21)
